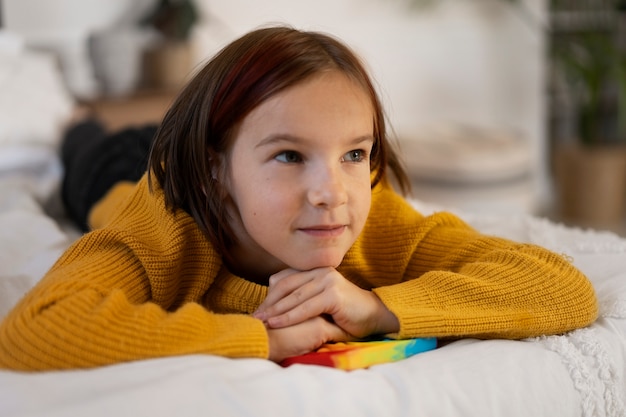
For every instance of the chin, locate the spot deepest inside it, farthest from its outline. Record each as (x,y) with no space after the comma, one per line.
(319,262)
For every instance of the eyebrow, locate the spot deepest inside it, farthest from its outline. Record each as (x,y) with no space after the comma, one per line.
(284,137)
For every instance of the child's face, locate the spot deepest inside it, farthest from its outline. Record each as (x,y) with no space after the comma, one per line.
(300,175)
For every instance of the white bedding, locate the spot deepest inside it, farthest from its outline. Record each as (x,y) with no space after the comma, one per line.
(579,374)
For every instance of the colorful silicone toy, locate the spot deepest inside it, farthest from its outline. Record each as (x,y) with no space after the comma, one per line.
(356,355)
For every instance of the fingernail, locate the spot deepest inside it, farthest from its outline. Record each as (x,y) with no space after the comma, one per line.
(272,322)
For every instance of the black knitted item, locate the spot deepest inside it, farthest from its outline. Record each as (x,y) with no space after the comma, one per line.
(94,161)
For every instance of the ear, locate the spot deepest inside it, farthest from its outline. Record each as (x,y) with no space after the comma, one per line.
(214,165)
(215,185)
(218,169)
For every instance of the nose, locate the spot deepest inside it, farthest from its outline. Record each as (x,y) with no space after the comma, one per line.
(327,187)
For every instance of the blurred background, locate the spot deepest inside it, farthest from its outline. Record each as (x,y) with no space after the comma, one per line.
(498,106)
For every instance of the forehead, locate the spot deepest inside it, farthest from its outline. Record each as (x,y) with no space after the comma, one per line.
(328,101)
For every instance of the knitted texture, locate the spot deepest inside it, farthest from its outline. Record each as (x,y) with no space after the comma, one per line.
(147,283)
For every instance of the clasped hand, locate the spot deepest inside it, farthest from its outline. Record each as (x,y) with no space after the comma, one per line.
(305,309)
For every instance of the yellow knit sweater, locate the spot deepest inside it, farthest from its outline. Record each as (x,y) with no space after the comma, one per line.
(148,284)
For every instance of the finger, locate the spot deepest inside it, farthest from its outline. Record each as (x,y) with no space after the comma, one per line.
(297,290)
(293,310)
(273,294)
(284,285)
(335,333)
(279,276)
(302,299)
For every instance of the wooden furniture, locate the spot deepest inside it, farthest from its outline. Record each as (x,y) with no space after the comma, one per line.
(142,107)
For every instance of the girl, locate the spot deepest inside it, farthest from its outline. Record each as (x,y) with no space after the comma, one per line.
(266,225)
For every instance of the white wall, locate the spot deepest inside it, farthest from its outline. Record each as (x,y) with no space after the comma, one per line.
(476,62)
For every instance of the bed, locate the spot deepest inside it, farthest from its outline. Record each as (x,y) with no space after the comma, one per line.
(582,373)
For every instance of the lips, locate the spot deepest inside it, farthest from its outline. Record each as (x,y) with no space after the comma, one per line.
(324,231)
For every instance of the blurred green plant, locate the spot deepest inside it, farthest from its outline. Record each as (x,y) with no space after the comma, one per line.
(594,67)
(587,50)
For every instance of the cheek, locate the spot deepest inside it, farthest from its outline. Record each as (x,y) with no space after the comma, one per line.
(241,182)
(364,203)
(258,202)
(360,200)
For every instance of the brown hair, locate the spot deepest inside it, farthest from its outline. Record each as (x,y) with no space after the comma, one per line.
(199,127)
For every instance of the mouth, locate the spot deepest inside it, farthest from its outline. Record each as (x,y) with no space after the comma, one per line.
(324,231)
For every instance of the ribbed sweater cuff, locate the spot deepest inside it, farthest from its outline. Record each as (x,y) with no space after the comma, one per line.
(415,311)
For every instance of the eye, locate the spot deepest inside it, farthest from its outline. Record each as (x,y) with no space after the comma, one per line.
(356,155)
(289,157)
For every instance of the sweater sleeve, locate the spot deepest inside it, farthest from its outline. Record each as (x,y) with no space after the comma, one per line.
(131,290)
(458,282)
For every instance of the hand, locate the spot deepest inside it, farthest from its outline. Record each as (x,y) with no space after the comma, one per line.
(296,296)
(303,338)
